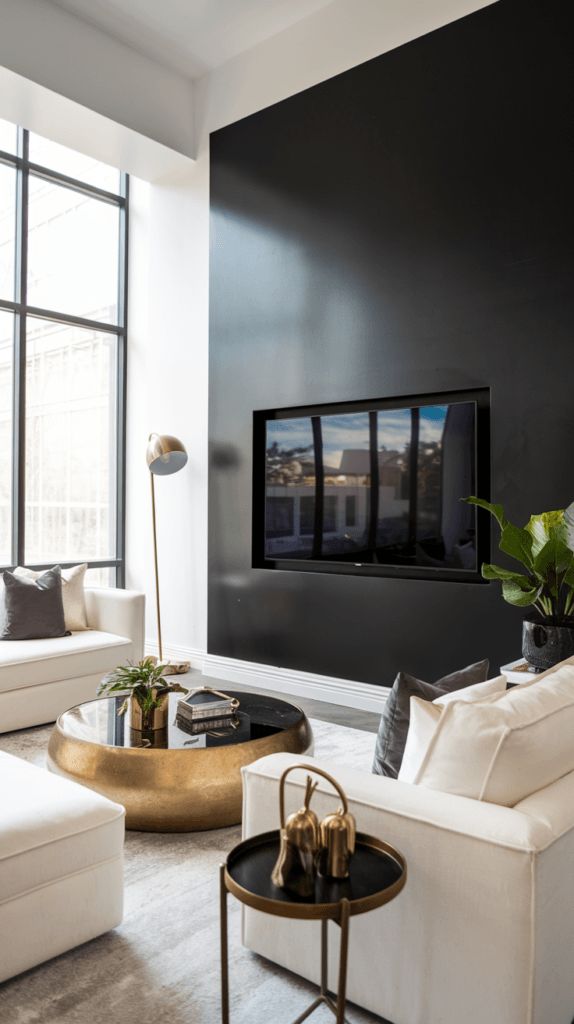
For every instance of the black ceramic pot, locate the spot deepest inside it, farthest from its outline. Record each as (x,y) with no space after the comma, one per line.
(544,646)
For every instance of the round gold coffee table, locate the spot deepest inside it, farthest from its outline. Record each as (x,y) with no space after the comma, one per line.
(179,782)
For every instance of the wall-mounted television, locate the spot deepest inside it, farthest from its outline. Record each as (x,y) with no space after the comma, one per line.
(374,487)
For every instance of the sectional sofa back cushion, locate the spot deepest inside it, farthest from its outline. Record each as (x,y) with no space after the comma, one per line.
(33,609)
(425,716)
(504,747)
(73,595)
(394,724)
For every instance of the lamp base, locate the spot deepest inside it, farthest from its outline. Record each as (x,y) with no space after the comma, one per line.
(176,668)
(172,668)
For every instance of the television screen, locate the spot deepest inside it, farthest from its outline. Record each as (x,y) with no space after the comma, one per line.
(374,485)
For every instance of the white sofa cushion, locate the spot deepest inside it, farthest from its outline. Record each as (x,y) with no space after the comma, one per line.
(425,716)
(35,662)
(503,748)
(51,827)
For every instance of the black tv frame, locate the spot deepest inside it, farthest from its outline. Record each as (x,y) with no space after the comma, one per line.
(481,399)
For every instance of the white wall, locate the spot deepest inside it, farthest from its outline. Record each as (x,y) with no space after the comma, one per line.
(167,393)
(169,297)
(63,78)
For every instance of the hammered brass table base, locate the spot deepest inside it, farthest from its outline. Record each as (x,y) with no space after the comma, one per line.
(178,785)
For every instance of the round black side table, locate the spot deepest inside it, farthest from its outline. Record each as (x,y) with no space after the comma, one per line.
(378,873)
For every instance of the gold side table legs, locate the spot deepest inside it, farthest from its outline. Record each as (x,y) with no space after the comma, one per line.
(338,1007)
(224,949)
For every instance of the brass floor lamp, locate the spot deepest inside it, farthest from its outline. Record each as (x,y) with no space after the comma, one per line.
(165,455)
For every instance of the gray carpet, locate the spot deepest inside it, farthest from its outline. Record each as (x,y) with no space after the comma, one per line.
(162,964)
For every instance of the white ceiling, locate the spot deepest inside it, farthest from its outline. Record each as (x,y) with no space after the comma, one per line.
(192,36)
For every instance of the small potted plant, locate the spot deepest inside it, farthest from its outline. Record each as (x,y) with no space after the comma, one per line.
(146,693)
(544,547)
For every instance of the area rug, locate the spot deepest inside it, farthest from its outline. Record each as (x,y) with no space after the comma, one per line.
(161,966)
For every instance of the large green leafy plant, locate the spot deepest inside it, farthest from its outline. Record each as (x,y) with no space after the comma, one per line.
(143,681)
(545,549)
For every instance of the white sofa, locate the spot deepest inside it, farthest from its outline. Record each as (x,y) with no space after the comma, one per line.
(484,928)
(61,871)
(39,679)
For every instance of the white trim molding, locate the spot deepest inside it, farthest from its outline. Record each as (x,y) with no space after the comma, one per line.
(346,692)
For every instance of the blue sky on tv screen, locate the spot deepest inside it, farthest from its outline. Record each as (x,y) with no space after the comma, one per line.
(350,431)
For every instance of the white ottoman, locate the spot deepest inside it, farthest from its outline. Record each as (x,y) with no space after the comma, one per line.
(61,872)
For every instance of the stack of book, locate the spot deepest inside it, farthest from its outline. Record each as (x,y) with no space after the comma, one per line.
(203,709)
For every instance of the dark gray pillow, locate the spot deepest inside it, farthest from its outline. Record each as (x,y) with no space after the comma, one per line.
(33,609)
(394,724)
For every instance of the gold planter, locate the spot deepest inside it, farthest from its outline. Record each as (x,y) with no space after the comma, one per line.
(154,720)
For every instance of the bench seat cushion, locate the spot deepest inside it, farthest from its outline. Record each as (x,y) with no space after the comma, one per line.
(26,663)
(51,828)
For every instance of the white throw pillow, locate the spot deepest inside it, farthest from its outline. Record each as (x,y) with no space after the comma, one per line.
(472,694)
(73,597)
(505,747)
(425,716)
(423,721)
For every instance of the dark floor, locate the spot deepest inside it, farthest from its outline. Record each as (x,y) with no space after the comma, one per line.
(336,713)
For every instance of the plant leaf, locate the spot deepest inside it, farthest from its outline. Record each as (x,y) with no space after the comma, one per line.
(138,679)
(497,572)
(555,557)
(553,562)
(542,527)
(515,595)
(495,510)
(569,578)
(517,589)
(569,525)
(516,542)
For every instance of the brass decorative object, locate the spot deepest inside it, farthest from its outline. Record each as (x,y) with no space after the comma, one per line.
(165,455)
(307,848)
(296,865)
(337,841)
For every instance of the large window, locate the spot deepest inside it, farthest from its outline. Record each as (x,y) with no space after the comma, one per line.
(63,260)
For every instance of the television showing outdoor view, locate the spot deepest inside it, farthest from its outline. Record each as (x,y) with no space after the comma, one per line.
(373,487)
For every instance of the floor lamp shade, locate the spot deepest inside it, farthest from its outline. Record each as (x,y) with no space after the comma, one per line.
(165,455)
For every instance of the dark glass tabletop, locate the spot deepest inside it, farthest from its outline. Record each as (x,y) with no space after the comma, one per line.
(98,721)
(377,874)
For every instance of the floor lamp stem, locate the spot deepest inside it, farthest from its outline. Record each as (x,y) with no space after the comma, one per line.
(156,568)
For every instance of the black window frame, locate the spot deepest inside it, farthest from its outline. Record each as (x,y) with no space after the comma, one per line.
(22,310)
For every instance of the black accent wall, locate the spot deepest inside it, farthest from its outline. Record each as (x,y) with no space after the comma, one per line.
(403,228)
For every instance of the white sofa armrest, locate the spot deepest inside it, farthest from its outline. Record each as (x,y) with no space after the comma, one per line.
(118,611)
(470,936)
(378,801)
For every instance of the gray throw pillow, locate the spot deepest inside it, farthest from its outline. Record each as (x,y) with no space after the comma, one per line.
(33,609)
(394,724)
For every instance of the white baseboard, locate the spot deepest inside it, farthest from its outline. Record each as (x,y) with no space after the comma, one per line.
(347,692)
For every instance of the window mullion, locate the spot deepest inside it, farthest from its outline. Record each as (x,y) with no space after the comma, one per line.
(121,384)
(19,378)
